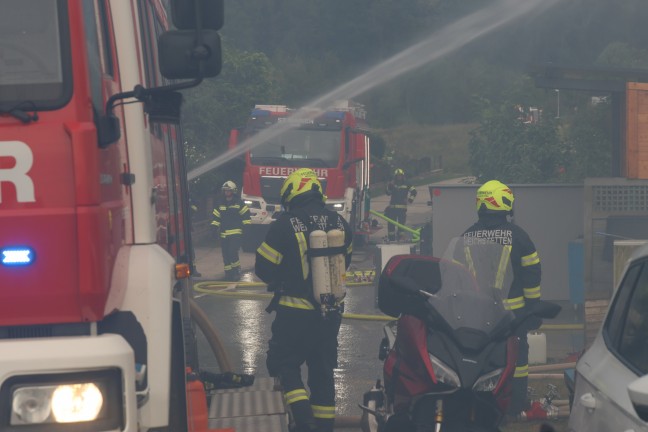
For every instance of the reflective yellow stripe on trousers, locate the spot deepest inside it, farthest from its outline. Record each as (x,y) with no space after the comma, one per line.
(323,412)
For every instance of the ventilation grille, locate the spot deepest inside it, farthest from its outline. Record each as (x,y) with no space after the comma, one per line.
(620,198)
(29,332)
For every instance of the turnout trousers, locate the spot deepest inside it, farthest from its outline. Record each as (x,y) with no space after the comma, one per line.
(230,246)
(303,336)
(399,214)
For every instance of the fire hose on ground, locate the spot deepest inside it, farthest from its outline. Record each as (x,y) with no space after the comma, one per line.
(231,289)
(211,334)
(416,233)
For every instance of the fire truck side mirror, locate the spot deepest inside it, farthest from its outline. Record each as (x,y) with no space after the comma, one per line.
(183,14)
(181,58)
(194,50)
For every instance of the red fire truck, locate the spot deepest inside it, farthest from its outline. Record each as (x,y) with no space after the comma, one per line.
(94,248)
(334,143)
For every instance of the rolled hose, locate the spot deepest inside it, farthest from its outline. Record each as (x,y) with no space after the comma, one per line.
(211,334)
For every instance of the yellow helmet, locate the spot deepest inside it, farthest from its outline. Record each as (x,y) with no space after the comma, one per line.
(299,183)
(399,172)
(494,196)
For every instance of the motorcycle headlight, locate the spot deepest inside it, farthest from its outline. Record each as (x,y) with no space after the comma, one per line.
(488,382)
(444,373)
(89,400)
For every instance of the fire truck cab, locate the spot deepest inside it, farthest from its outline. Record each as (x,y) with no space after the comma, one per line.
(333,143)
(95,247)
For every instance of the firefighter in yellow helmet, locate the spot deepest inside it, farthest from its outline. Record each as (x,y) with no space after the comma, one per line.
(402,193)
(230,216)
(494,205)
(300,332)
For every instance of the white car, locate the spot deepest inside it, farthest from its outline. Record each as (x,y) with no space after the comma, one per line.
(610,394)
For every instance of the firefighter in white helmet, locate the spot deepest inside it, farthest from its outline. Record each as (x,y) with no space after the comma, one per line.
(230,216)
(304,329)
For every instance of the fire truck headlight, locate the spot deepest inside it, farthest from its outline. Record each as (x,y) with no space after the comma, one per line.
(89,400)
(76,403)
(31,405)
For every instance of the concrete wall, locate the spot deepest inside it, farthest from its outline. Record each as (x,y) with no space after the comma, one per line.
(551,214)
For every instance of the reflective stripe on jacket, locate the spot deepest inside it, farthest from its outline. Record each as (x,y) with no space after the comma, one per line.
(522,253)
(282,260)
(230,216)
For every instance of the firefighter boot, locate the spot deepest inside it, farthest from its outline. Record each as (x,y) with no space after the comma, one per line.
(236,274)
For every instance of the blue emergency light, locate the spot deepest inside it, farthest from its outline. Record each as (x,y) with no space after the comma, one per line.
(17,256)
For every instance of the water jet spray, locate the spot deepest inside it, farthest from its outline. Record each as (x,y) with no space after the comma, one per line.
(445,41)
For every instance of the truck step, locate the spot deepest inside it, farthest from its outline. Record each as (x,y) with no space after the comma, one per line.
(249,409)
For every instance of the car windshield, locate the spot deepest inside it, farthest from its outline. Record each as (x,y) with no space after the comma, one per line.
(300,147)
(32,62)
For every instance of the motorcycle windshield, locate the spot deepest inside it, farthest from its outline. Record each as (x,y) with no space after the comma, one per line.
(475,278)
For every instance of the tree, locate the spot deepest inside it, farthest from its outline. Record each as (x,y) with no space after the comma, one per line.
(618,54)
(506,148)
(588,143)
(219,105)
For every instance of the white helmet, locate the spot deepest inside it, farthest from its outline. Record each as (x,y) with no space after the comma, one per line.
(229,186)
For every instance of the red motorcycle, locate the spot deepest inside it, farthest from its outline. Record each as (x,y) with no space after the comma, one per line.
(450,356)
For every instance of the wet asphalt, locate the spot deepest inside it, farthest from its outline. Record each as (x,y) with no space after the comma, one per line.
(244,328)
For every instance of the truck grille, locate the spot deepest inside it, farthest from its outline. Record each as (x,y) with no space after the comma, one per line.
(271,188)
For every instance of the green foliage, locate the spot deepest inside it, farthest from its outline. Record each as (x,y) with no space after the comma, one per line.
(588,143)
(553,150)
(220,104)
(504,147)
(618,54)
(290,51)
(317,45)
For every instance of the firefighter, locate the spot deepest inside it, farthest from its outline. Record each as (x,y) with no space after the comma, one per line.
(494,206)
(300,332)
(401,194)
(230,215)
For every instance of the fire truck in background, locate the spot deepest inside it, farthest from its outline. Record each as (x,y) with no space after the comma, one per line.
(94,244)
(334,143)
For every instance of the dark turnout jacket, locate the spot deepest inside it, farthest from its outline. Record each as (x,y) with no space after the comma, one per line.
(524,258)
(282,261)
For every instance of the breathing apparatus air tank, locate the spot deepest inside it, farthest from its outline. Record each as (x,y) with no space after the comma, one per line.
(320,270)
(328,268)
(337,265)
